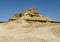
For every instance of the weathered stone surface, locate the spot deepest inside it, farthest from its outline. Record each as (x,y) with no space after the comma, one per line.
(29,26)
(31,14)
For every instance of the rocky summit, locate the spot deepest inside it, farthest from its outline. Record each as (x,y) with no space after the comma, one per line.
(30,26)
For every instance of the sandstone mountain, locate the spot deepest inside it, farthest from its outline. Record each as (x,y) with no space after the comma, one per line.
(30,26)
(32,14)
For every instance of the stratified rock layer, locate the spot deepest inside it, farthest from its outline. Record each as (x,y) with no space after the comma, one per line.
(31,14)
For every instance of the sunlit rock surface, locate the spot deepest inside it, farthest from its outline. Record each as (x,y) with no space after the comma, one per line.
(24,28)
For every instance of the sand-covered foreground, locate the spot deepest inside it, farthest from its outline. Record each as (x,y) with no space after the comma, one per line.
(16,32)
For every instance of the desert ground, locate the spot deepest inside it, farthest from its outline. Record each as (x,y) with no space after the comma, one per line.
(26,32)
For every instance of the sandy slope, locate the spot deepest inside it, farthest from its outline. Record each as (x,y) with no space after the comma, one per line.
(15,32)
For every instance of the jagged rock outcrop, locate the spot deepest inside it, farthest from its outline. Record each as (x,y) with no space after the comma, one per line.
(31,15)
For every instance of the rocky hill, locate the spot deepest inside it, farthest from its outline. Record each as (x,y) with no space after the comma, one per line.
(30,26)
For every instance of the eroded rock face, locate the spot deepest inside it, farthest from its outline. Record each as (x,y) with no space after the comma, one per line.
(29,26)
(31,14)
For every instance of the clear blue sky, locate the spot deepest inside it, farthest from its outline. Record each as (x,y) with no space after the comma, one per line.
(49,8)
